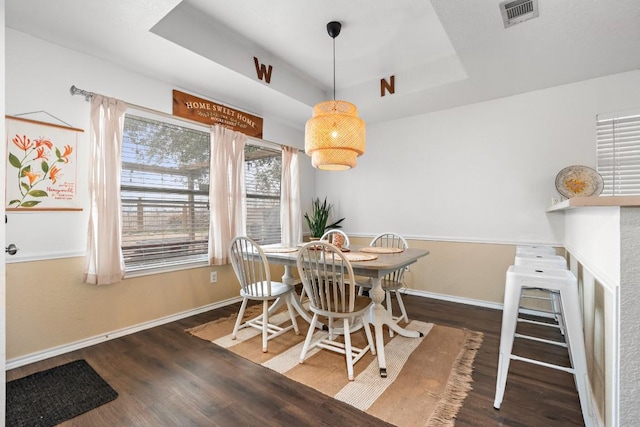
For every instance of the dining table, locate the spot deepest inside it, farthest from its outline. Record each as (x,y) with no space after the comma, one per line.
(376,267)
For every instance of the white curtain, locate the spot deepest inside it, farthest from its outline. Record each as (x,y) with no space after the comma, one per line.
(290,211)
(226,192)
(104,263)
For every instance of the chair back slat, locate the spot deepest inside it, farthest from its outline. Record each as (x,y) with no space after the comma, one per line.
(251,266)
(327,277)
(391,240)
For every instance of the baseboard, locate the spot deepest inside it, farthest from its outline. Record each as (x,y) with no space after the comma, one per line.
(469,301)
(56,351)
(450,298)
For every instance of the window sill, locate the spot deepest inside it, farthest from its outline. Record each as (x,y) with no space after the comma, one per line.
(165,269)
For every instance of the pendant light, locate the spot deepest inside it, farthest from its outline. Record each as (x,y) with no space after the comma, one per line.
(334,136)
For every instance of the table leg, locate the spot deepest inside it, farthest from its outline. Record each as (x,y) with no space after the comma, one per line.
(288,278)
(379,317)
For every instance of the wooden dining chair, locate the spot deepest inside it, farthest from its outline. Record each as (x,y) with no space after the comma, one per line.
(328,236)
(252,269)
(327,277)
(392,282)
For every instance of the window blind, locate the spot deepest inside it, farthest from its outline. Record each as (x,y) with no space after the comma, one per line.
(164,193)
(618,153)
(262,174)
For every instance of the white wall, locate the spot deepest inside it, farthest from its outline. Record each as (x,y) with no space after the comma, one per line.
(3,300)
(482,172)
(39,76)
(599,248)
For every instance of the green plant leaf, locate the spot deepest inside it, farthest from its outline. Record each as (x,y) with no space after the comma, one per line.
(317,222)
(38,193)
(25,186)
(335,224)
(25,170)
(30,204)
(45,167)
(15,162)
(14,202)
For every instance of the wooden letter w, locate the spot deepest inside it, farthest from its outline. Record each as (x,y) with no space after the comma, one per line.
(262,71)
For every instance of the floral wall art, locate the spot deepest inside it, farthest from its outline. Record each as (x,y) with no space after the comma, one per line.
(41,166)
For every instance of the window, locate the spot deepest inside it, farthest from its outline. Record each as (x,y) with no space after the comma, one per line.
(618,153)
(262,174)
(165,192)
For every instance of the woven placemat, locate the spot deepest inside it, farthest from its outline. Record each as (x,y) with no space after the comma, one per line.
(381,250)
(275,249)
(355,256)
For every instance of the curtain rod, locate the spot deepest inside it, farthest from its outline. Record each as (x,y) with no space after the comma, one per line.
(88,95)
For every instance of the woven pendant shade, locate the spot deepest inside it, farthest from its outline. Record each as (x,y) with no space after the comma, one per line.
(334,136)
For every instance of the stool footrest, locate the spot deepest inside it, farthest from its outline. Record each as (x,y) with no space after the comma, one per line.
(537,322)
(545,364)
(529,337)
(527,296)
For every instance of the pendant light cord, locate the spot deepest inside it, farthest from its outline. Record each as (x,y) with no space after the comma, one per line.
(334,69)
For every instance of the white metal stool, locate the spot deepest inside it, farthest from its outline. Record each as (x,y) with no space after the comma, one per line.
(543,260)
(536,249)
(564,282)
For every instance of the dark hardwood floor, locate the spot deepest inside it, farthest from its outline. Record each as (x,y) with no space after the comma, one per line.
(166,377)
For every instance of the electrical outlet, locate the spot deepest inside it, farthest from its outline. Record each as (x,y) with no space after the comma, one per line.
(214,276)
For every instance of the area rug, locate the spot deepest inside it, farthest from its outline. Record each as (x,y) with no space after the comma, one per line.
(58,394)
(428,378)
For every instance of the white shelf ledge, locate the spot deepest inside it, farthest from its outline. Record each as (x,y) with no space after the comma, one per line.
(582,202)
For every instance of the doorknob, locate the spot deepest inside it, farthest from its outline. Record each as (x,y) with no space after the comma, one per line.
(11,249)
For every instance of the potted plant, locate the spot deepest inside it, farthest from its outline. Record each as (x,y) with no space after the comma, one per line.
(317,222)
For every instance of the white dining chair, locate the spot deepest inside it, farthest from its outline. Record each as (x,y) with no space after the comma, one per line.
(252,269)
(327,277)
(392,282)
(328,236)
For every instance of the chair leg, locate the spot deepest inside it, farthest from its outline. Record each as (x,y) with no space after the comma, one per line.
(509,321)
(307,341)
(557,308)
(265,325)
(292,313)
(330,326)
(402,309)
(302,294)
(347,349)
(243,306)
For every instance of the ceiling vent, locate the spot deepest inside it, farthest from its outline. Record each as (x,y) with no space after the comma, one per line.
(515,12)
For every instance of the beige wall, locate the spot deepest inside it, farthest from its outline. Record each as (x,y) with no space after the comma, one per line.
(465,270)
(49,306)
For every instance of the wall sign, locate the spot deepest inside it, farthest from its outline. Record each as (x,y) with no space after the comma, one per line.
(41,166)
(210,113)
